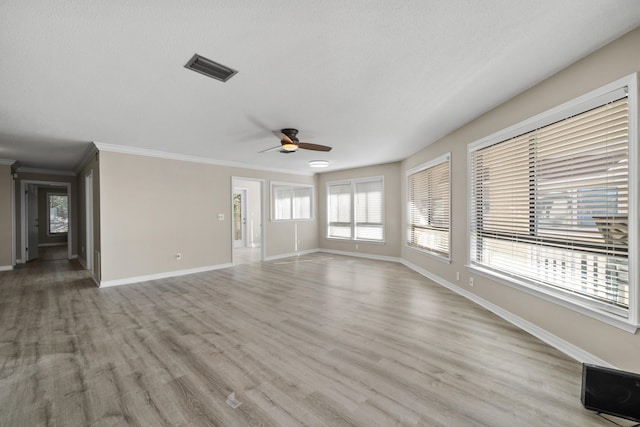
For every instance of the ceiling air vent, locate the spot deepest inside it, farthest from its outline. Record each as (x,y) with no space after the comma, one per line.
(205,66)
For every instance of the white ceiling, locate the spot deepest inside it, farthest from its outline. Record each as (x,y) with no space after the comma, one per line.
(377,80)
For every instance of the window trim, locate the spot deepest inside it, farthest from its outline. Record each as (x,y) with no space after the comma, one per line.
(292,186)
(431,163)
(352,183)
(48,198)
(629,322)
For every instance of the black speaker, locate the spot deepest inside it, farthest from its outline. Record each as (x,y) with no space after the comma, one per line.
(611,391)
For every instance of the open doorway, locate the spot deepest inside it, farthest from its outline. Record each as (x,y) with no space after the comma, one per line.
(45,220)
(247,220)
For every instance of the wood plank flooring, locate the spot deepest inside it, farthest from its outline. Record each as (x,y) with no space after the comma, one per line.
(319,340)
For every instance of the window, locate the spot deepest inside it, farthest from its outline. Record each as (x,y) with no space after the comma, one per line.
(57,205)
(429,201)
(550,204)
(291,201)
(355,209)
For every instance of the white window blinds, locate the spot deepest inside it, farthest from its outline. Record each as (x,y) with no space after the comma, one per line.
(339,210)
(429,199)
(368,210)
(551,206)
(356,209)
(291,202)
(282,202)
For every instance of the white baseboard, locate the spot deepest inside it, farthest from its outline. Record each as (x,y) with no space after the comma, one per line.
(6,267)
(362,255)
(74,256)
(146,278)
(554,341)
(290,255)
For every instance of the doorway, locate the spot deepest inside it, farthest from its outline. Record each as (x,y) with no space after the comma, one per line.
(239,217)
(45,218)
(247,220)
(88,202)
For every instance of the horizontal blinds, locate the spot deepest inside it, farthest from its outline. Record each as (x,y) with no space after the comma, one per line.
(339,210)
(552,205)
(368,200)
(301,207)
(292,202)
(283,203)
(429,200)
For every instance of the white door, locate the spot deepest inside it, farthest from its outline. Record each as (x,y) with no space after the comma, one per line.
(32,222)
(88,188)
(239,218)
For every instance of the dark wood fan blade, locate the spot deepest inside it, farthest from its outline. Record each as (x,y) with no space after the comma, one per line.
(314,147)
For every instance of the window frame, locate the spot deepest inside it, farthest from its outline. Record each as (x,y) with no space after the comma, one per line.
(291,186)
(445,158)
(48,199)
(353,224)
(628,321)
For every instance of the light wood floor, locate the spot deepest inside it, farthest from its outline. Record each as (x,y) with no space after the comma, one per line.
(319,340)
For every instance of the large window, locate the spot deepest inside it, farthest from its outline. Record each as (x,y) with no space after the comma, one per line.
(429,200)
(356,209)
(58,206)
(291,201)
(550,204)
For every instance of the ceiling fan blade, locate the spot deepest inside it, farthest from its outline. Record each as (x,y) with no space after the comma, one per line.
(282,137)
(314,147)
(270,149)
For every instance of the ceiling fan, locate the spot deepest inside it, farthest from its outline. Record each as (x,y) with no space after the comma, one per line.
(290,143)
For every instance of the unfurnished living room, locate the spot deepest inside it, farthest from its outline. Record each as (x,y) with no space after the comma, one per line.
(290,213)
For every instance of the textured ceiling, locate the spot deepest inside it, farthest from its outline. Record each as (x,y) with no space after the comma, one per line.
(377,80)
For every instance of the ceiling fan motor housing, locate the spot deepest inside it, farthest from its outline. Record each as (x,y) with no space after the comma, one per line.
(291,133)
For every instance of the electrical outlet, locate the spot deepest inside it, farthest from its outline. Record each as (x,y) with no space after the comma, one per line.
(471,281)
(458,276)
(357,247)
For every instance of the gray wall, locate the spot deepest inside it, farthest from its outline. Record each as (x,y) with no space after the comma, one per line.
(5,217)
(153,208)
(620,58)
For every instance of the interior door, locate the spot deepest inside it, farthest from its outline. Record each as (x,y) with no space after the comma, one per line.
(32,221)
(239,218)
(88,253)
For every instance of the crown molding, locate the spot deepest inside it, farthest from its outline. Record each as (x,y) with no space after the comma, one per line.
(23,169)
(187,158)
(88,154)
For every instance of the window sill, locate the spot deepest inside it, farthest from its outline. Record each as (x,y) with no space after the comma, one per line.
(338,239)
(591,309)
(292,220)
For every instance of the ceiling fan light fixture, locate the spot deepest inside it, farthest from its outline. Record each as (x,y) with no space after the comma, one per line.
(289,146)
(318,163)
